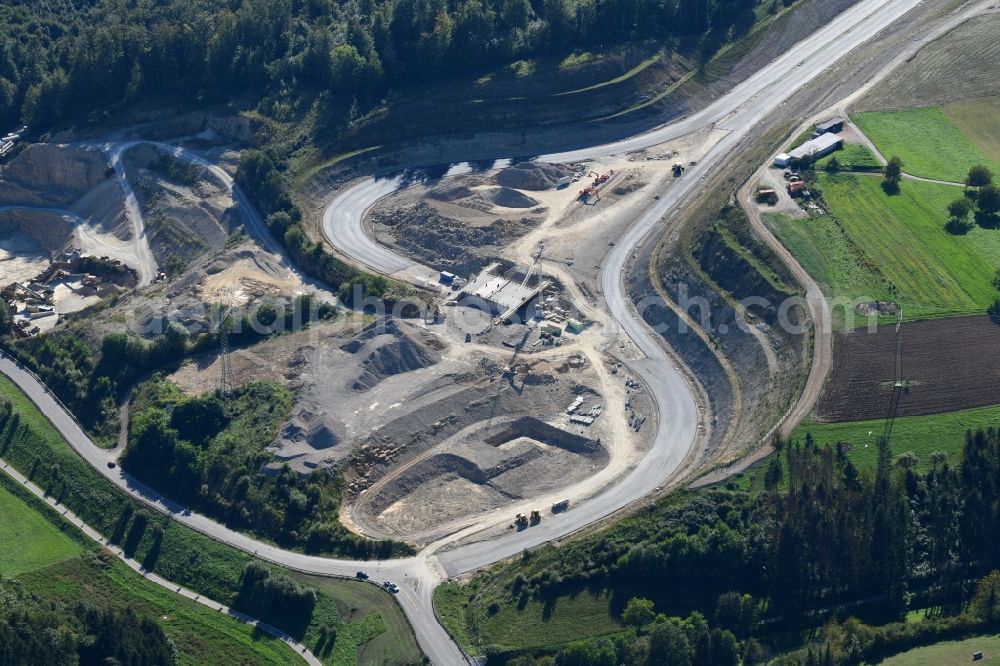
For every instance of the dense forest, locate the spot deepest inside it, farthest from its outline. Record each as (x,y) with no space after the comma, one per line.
(65,59)
(821,535)
(43,633)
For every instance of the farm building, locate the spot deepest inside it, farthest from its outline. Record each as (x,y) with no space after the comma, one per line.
(818,147)
(831,126)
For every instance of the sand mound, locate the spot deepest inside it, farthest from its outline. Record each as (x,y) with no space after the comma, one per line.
(50,175)
(533,176)
(449,192)
(385,348)
(510,198)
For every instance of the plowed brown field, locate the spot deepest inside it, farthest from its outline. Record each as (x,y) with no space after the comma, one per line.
(948,364)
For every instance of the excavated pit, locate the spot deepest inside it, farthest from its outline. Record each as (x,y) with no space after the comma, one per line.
(480,469)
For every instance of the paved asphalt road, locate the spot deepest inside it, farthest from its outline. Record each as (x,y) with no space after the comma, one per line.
(736,112)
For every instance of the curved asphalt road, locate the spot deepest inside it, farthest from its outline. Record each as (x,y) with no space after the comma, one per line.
(736,113)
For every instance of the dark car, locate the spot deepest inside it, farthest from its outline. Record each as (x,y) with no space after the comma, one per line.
(361,575)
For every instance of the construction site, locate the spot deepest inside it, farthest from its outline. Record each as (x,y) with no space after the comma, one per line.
(511,389)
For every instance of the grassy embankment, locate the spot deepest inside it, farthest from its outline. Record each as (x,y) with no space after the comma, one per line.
(852,157)
(536,624)
(177,553)
(59,563)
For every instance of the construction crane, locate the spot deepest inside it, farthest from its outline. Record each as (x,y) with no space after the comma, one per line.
(897,380)
(536,262)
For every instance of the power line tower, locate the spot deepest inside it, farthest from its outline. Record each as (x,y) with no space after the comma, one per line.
(897,380)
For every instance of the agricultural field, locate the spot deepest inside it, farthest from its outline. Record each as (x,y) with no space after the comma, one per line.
(962,65)
(979,119)
(948,365)
(950,653)
(877,247)
(824,248)
(57,563)
(852,157)
(929,142)
(930,271)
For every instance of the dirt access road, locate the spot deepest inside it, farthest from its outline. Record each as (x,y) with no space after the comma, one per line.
(736,113)
(819,307)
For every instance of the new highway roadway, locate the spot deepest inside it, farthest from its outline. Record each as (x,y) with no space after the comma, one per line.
(736,113)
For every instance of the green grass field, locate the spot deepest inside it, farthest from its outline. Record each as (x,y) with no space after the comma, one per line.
(28,541)
(979,119)
(535,624)
(923,435)
(932,272)
(874,246)
(374,629)
(950,653)
(828,253)
(852,157)
(57,562)
(930,144)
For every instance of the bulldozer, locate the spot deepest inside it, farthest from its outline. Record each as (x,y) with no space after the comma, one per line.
(521,520)
(536,517)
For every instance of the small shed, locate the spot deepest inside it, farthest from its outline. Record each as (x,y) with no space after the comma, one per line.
(831,126)
(447,278)
(797,188)
(782,160)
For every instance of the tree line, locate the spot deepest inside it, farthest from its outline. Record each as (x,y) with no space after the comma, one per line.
(52,633)
(259,176)
(821,534)
(981,200)
(66,59)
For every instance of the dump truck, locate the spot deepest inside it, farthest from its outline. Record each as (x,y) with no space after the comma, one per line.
(561,505)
